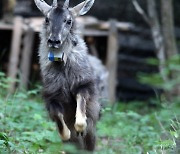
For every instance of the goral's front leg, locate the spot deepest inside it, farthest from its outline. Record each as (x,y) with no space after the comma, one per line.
(80,123)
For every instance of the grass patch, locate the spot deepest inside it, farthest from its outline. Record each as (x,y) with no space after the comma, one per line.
(129,131)
(132,128)
(26,128)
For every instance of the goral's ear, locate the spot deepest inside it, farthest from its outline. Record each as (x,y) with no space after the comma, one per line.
(82,8)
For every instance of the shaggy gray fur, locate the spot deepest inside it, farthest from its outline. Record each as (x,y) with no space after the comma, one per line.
(62,82)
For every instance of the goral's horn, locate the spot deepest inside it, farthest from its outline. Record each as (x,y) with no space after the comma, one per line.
(42,6)
(54,3)
(66,4)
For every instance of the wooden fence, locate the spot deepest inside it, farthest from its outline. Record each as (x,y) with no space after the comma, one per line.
(91,27)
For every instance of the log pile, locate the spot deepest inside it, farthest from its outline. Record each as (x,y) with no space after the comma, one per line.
(136,48)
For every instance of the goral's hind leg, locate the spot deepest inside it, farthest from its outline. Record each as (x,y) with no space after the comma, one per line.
(56,113)
(80,123)
(90,138)
(63,129)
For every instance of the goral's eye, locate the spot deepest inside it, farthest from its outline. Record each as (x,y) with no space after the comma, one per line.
(69,22)
(47,20)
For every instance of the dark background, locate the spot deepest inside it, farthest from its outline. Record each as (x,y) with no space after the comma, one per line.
(123,10)
(136,46)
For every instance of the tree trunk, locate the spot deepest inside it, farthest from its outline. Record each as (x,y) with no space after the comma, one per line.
(164,40)
(157,37)
(168,28)
(167,18)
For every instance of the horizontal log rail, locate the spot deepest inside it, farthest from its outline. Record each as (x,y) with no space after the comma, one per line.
(90,23)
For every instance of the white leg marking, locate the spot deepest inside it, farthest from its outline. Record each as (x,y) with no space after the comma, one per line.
(66,134)
(80,123)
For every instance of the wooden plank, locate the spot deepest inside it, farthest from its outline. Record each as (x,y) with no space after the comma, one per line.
(26,58)
(4,26)
(93,26)
(102,25)
(90,23)
(94,32)
(112,60)
(15,51)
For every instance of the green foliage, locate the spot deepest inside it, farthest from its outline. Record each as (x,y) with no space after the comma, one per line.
(125,128)
(172,65)
(25,127)
(131,132)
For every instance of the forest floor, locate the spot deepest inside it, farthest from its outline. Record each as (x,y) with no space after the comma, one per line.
(132,128)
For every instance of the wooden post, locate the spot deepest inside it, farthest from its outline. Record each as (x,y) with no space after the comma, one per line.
(15,51)
(92,46)
(112,59)
(26,58)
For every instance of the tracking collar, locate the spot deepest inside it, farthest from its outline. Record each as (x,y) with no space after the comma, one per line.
(60,57)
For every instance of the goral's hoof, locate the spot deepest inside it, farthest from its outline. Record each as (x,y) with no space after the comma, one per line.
(80,126)
(66,135)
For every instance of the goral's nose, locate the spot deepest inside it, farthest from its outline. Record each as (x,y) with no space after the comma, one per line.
(54,42)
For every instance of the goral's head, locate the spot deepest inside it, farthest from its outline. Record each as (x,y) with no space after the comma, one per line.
(59,19)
